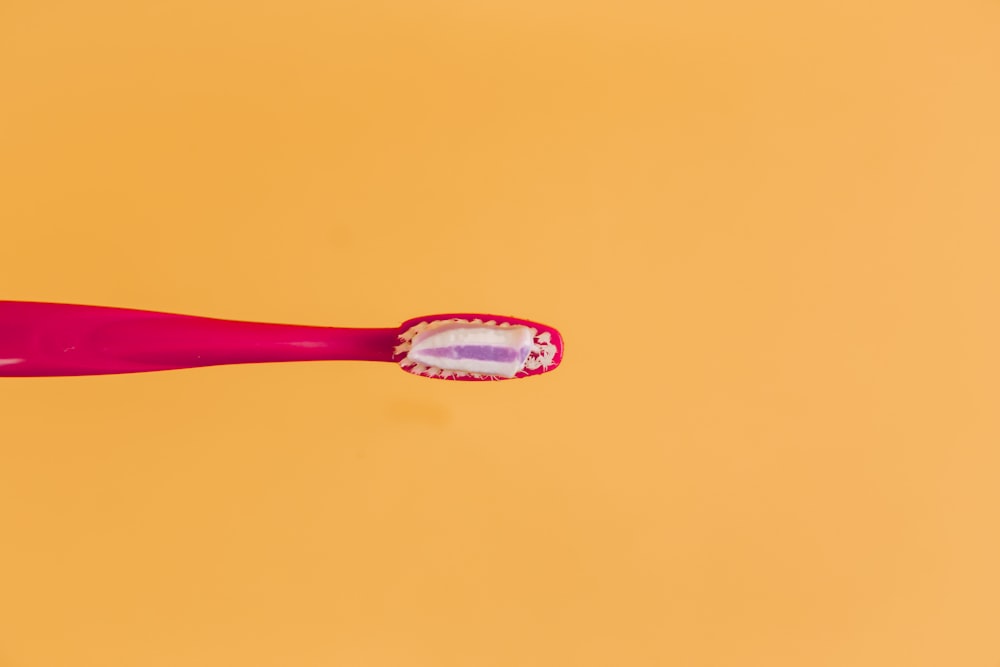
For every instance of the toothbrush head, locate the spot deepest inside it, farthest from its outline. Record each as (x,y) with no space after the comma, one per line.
(476,347)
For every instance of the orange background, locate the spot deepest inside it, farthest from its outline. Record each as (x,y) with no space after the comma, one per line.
(769,232)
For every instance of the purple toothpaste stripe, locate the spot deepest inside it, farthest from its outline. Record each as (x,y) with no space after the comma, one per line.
(478,352)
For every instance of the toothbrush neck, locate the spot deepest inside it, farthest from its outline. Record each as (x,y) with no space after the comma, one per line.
(181,341)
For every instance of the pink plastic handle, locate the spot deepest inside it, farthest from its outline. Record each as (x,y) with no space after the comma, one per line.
(46,339)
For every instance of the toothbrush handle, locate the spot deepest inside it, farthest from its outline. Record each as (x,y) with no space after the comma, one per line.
(45,339)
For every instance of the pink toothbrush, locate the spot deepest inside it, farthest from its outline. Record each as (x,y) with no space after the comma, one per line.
(47,339)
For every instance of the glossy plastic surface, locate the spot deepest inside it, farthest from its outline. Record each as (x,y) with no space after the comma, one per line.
(48,339)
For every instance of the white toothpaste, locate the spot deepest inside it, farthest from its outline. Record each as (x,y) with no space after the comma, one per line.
(467,347)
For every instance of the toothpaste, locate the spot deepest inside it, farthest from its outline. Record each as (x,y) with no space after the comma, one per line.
(466,347)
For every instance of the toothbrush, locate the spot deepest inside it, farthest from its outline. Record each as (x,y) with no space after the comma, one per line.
(53,339)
